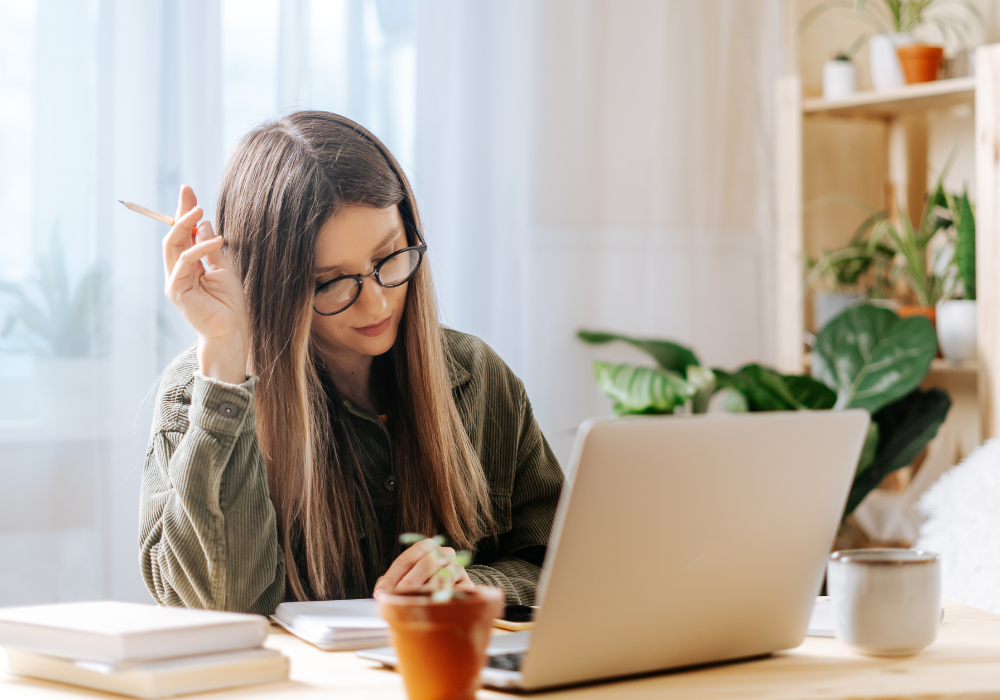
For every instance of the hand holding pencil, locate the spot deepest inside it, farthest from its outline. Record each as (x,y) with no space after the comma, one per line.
(205,288)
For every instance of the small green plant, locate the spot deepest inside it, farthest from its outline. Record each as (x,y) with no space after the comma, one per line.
(898,250)
(955,213)
(441,584)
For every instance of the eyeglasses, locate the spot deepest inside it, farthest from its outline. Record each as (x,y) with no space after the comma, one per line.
(338,294)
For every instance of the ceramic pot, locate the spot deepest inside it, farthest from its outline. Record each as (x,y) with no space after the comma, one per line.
(441,646)
(883,62)
(957,326)
(920,62)
(839,79)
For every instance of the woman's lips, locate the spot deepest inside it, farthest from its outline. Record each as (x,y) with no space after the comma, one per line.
(375,329)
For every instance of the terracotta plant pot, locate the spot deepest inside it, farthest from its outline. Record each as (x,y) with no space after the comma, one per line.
(920,62)
(441,646)
(909,310)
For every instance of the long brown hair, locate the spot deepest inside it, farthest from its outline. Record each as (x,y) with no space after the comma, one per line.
(284,180)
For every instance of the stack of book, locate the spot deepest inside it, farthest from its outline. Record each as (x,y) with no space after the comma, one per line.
(335,625)
(139,650)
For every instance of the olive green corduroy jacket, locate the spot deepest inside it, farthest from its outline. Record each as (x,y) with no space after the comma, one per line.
(208,530)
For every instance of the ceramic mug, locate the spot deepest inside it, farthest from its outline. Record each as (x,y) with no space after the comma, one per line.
(886,602)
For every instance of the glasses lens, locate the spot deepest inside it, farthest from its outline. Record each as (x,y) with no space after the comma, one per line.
(336,297)
(398,267)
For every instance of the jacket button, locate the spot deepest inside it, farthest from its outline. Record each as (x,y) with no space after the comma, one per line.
(390,483)
(229,410)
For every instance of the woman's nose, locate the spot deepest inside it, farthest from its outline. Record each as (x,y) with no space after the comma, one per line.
(372,299)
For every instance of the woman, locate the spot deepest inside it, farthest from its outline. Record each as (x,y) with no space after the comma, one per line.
(324,410)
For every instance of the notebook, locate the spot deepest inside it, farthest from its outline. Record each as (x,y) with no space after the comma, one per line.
(335,625)
(111,632)
(156,679)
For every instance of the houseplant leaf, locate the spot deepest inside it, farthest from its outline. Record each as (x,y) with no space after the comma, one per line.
(905,428)
(871,357)
(766,390)
(669,356)
(965,245)
(810,393)
(642,389)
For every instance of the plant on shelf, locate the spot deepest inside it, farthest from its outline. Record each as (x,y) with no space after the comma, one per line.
(957,316)
(895,56)
(441,632)
(49,317)
(904,16)
(897,251)
(867,357)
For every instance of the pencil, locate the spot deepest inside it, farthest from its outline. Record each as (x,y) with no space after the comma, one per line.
(154,215)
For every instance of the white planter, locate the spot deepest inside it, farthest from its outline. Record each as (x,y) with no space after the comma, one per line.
(839,79)
(883,62)
(957,330)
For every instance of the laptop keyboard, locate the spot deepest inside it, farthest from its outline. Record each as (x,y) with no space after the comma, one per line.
(506,662)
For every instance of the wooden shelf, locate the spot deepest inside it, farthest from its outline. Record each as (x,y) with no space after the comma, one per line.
(886,105)
(938,366)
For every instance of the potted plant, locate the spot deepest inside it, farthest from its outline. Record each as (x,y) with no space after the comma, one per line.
(867,357)
(839,75)
(957,318)
(920,62)
(441,632)
(896,21)
(915,256)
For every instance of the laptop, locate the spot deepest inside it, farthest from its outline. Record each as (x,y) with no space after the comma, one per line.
(682,541)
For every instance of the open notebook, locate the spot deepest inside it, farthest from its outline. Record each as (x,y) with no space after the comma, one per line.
(335,625)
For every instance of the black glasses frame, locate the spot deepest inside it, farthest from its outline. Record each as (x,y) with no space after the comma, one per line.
(360,279)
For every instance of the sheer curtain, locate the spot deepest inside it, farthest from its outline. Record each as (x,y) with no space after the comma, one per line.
(599,165)
(106,100)
(578,164)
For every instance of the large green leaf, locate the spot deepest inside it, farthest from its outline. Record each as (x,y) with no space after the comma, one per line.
(669,356)
(766,390)
(810,393)
(642,389)
(871,357)
(905,427)
(965,245)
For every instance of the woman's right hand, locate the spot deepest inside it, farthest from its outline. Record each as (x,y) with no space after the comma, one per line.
(212,300)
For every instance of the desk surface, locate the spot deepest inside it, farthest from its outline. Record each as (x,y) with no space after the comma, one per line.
(964,662)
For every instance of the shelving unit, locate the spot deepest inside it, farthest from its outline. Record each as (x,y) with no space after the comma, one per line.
(874,146)
(883,136)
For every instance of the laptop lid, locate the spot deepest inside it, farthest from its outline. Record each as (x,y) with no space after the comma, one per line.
(688,540)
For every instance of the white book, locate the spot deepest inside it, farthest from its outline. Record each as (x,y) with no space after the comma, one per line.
(156,679)
(111,632)
(335,625)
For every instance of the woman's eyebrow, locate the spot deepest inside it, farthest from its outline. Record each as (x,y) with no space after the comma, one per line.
(392,235)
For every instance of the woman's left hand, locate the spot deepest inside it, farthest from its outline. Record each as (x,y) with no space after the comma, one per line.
(414,568)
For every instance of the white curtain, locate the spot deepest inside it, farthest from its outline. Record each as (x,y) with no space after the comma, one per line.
(599,164)
(578,164)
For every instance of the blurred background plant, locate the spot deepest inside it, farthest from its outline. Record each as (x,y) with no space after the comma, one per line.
(867,357)
(51,317)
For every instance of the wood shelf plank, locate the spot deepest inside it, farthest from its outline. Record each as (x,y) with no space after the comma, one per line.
(870,104)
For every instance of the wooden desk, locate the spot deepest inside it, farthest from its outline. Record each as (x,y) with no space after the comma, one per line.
(964,662)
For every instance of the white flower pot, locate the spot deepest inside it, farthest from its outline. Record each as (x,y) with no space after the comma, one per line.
(957,330)
(883,63)
(839,79)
